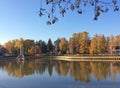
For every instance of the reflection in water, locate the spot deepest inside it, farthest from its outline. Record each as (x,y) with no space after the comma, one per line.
(79,71)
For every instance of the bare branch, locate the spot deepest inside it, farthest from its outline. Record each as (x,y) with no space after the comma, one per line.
(62,6)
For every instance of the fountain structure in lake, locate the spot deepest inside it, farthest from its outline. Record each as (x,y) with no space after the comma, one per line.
(21,57)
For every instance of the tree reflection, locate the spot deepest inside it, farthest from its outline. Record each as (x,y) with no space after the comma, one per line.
(79,71)
(100,70)
(40,67)
(50,67)
(13,69)
(64,68)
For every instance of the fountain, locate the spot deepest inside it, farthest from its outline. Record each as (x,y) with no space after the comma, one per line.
(21,57)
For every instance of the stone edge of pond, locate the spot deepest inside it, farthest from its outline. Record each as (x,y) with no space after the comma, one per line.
(70,58)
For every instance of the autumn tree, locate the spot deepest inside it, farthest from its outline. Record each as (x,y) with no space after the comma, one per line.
(27,45)
(13,47)
(117,40)
(104,45)
(83,42)
(76,40)
(52,7)
(63,46)
(99,45)
(71,46)
(93,45)
(18,43)
(37,49)
(31,51)
(9,46)
(112,44)
(74,44)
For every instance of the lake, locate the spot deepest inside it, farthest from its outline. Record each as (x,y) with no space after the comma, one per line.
(59,74)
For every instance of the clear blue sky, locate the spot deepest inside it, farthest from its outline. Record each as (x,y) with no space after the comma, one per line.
(19,18)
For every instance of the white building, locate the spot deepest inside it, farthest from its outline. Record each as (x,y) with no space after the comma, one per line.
(116,50)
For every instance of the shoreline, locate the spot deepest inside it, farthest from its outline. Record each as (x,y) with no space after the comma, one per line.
(85,58)
(69,58)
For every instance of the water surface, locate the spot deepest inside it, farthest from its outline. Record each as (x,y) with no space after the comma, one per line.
(59,74)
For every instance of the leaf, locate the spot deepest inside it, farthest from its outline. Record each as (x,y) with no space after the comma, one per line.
(62,12)
(114,2)
(77,4)
(52,10)
(54,20)
(97,14)
(96,0)
(41,9)
(40,14)
(79,11)
(116,8)
(47,2)
(48,15)
(92,3)
(95,18)
(48,23)
(98,8)
(72,7)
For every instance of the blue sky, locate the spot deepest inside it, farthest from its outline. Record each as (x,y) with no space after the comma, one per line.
(19,18)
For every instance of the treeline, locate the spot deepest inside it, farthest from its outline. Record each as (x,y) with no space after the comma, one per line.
(79,43)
